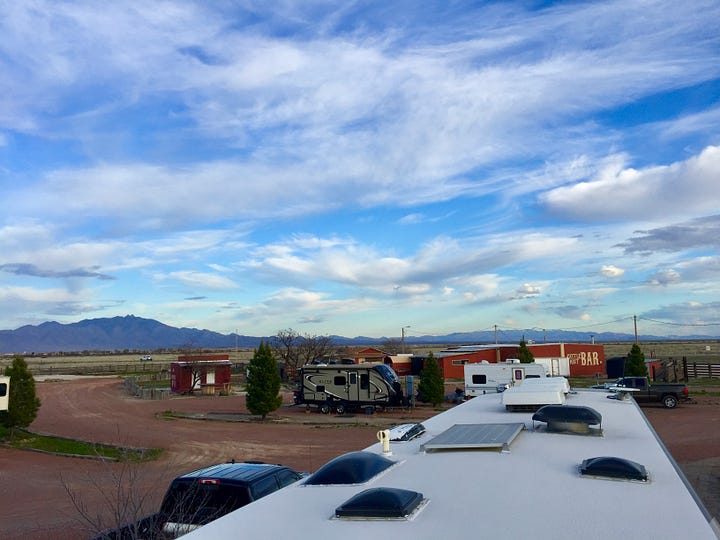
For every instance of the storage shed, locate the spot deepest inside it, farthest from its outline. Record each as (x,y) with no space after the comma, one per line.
(208,373)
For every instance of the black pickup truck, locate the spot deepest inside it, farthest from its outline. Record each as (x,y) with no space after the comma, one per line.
(669,395)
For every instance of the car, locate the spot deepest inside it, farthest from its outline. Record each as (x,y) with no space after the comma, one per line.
(146,358)
(199,497)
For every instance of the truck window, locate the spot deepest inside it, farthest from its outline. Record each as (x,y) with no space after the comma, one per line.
(479,379)
(339,380)
(264,487)
(364,381)
(285,478)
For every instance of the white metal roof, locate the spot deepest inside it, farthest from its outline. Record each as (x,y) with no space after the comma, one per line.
(529,489)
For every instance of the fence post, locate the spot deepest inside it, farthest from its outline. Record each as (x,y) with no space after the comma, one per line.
(685,371)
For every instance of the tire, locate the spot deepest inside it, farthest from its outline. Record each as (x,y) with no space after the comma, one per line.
(669,401)
(340,408)
(325,408)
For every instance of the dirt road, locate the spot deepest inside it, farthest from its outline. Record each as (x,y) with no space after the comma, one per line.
(35,488)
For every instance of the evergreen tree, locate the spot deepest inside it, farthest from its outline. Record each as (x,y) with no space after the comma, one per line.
(263,382)
(635,363)
(524,354)
(23,403)
(432,385)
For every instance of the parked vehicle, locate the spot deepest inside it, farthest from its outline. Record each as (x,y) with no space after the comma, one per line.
(146,358)
(491,378)
(201,496)
(669,395)
(346,387)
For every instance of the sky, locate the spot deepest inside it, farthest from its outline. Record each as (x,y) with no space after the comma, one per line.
(362,168)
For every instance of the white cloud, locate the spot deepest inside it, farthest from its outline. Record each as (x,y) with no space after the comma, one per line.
(683,189)
(611,271)
(200,280)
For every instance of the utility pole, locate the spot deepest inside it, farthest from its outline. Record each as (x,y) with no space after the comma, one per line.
(635,323)
(402,330)
(496,335)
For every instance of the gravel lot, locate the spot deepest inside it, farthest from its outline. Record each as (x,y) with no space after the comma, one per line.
(35,500)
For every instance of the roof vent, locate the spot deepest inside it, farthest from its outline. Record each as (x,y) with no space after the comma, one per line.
(406,432)
(350,468)
(383,502)
(569,418)
(614,467)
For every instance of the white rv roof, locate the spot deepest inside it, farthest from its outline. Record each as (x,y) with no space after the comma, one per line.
(528,487)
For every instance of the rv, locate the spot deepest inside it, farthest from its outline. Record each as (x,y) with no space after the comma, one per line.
(491,378)
(345,387)
(556,366)
(4,392)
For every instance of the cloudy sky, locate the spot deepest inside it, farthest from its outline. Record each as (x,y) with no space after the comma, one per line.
(354,168)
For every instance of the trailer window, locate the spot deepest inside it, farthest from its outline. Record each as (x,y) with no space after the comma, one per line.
(353,378)
(364,381)
(3,389)
(320,388)
(479,379)
(339,380)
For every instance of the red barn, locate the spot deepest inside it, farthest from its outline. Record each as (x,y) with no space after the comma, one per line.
(209,373)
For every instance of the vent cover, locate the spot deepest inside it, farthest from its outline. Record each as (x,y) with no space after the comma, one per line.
(350,468)
(568,418)
(475,436)
(614,467)
(406,432)
(376,503)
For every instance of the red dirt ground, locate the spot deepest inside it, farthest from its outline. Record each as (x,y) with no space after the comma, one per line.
(34,499)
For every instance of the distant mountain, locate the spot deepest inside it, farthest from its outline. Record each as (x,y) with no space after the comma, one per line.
(135,333)
(114,334)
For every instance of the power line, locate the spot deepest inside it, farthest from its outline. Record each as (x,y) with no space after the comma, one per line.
(678,324)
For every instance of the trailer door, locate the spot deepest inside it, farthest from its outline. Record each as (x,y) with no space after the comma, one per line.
(518,374)
(353,388)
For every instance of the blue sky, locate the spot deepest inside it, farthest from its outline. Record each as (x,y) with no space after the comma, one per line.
(354,168)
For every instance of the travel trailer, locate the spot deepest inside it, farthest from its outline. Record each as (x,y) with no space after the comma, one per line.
(487,378)
(555,366)
(341,388)
(4,393)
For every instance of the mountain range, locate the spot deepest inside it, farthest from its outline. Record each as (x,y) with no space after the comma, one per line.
(131,333)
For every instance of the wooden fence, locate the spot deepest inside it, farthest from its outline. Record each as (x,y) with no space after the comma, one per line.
(695,370)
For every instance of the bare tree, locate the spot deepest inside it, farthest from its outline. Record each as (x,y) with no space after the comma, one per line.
(296,350)
(285,346)
(313,347)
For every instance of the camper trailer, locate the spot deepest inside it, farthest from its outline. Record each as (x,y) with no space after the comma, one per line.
(490,378)
(555,366)
(345,387)
(4,392)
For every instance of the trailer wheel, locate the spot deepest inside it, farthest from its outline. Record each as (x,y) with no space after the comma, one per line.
(340,408)
(325,408)
(669,401)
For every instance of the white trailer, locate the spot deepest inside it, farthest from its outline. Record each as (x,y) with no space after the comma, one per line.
(556,366)
(490,378)
(4,392)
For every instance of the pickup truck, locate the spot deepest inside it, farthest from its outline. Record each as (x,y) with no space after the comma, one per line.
(669,395)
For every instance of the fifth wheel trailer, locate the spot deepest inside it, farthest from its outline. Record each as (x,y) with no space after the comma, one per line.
(490,378)
(343,387)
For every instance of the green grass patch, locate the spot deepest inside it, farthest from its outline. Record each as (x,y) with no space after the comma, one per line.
(59,445)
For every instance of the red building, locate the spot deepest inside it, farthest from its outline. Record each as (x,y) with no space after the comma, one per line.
(585,359)
(207,372)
